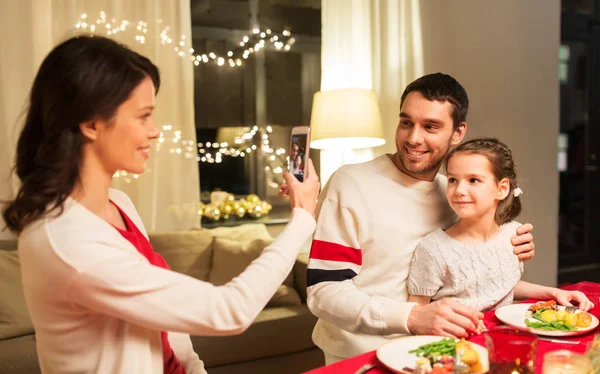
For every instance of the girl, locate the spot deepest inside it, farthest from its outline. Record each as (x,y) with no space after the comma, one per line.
(473,261)
(101,300)
(297,167)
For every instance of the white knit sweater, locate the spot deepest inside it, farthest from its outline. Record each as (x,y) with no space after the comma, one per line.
(371,218)
(482,276)
(98,305)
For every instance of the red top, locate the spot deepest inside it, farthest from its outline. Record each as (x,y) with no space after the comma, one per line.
(139,241)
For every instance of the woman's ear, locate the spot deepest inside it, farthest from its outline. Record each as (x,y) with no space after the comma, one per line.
(89,129)
(503,189)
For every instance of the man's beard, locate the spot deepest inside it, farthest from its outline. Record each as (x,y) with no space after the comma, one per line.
(432,166)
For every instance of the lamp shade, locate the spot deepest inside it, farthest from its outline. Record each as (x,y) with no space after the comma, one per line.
(346,118)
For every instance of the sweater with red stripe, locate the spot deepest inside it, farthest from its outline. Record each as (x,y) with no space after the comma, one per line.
(371,217)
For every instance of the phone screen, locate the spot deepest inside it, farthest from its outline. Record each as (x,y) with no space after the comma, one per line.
(298,150)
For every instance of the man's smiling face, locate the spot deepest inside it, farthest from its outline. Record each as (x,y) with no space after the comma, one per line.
(424,136)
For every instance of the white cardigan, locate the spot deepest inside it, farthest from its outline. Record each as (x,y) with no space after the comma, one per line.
(98,306)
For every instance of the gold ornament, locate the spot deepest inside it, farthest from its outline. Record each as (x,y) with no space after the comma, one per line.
(240,211)
(243,203)
(266,207)
(201,207)
(211,213)
(225,210)
(255,210)
(252,198)
(230,199)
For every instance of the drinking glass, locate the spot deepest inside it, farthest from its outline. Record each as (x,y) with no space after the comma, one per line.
(511,351)
(566,362)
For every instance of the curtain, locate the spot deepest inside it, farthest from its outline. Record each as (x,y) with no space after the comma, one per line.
(167,194)
(372,44)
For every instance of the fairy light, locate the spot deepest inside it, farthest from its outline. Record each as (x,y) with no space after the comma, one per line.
(257,39)
(243,144)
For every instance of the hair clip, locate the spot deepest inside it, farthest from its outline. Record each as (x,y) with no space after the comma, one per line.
(517,192)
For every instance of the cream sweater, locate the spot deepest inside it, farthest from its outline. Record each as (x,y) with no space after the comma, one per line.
(371,218)
(98,306)
(482,276)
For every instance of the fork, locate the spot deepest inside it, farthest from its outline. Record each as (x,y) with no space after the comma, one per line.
(571,309)
(560,341)
(363,369)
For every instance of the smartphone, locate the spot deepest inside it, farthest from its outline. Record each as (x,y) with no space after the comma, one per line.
(299,149)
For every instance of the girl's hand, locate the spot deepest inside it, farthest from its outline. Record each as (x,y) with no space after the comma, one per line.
(565,298)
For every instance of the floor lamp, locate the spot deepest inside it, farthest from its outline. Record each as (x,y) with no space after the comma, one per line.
(345,125)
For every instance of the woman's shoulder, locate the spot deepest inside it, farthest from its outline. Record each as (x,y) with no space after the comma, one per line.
(67,234)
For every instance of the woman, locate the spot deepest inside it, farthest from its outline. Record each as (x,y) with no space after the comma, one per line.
(297,167)
(101,300)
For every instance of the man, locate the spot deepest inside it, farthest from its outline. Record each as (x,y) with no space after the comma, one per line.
(371,217)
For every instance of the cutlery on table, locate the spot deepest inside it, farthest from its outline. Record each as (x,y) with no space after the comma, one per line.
(363,369)
(561,341)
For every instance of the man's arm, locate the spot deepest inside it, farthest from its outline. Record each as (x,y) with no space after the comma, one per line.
(336,258)
(421,300)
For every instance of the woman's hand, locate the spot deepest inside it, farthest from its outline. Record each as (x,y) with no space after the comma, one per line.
(302,194)
(565,298)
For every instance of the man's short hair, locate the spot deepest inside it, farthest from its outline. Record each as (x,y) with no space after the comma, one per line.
(443,88)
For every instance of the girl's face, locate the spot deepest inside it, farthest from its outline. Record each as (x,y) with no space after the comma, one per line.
(295,149)
(473,191)
(298,160)
(124,142)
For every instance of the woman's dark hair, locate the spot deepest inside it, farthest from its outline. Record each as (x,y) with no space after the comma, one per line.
(81,79)
(443,88)
(502,166)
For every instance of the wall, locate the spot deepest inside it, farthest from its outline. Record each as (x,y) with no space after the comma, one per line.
(505,53)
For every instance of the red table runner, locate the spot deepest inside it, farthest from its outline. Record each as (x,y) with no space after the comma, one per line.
(592,291)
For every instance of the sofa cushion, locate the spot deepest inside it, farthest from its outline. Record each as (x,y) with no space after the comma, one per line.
(187,252)
(8,245)
(231,258)
(276,331)
(243,233)
(19,356)
(14,317)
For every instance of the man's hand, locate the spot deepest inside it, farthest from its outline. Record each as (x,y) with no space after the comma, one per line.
(523,242)
(445,317)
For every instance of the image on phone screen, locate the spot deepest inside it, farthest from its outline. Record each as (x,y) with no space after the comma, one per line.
(297,164)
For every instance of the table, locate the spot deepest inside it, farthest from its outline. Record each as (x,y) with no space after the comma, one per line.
(592,291)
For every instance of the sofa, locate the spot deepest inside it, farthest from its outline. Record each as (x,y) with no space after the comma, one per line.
(279,340)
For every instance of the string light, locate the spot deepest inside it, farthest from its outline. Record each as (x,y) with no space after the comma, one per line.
(214,152)
(251,43)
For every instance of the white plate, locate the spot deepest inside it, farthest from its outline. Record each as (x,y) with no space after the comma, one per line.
(514,316)
(394,355)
